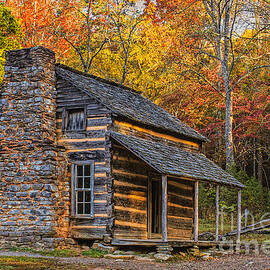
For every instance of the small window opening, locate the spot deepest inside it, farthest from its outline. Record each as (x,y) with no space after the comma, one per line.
(75,119)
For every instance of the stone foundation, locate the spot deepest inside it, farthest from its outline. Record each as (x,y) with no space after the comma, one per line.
(34,191)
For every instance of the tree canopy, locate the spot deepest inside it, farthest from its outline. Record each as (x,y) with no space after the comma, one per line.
(206,62)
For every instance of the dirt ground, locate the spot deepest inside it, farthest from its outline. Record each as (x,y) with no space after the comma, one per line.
(237,262)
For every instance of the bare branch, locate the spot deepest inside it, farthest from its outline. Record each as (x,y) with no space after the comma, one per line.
(249,72)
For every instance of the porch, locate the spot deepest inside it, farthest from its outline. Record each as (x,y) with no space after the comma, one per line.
(175,243)
(157,193)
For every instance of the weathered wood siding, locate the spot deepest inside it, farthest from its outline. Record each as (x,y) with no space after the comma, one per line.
(90,144)
(137,130)
(180,208)
(130,182)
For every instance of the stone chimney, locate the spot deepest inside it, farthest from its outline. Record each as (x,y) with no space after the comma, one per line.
(29,156)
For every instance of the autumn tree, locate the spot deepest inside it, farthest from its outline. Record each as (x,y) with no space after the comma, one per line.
(9,35)
(225,19)
(216,49)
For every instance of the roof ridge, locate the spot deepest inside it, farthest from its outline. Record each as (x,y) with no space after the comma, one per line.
(98,78)
(137,107)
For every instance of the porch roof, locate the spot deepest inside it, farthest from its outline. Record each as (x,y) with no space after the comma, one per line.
(172,160)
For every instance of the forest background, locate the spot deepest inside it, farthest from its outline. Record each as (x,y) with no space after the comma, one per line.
(204,61)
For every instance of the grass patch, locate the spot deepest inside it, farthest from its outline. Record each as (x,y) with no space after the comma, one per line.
(94,253)
(26,263)
(51,253)
(60,253)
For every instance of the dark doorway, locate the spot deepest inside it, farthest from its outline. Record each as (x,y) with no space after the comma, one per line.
(154,208)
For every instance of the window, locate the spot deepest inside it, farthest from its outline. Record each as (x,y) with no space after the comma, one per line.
(74,119)
(83,189)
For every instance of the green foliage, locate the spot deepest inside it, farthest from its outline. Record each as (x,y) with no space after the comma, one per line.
(94,253)
(51,253)
(9,35)
(254,197)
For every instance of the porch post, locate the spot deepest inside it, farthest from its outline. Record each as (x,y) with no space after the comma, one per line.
(164,208)
(239,216)
(217,211)
(196,211)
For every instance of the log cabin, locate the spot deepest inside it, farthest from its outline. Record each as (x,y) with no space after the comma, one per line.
(86,158)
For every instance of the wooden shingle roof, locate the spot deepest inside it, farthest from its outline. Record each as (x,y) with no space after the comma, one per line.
(126,102)
(172,160)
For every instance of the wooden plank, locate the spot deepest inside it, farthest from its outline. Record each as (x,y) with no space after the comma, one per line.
(126,184)
(154,133)
(131,197)
(164,208)
(88,227)
(130,224)
(81,140)
(136,204)
(217,211)
(239,214)
(176,201)
(180,233)
(121,172)
(177,195)
(85,150)
(89,128)
(180,185)
(129,209)
(179,206)
(196,211)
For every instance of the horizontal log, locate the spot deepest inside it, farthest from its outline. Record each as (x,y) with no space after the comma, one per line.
(128,159)
(180,211)
(97,155)
(172,199)
(101,144)
(131,217)
(88,235)
(99,122)
(131,179)
(130,224)
(154,133)
(130,209)
(121,172)
(170,204)
(101,127)
(130,185)
(130,197)
(98,221)
(130,167)
(129,235)
(69,140)
(100,175)
(179,195)
(179,233)
(180,185)
(126,202)
(86,150)
(180,224)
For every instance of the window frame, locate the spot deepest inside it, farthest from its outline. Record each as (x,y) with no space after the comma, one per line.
(65,116)
(74,189)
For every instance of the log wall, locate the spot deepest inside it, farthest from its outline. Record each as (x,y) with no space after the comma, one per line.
(180,208)
(90,144)
(137,130)
(130,176)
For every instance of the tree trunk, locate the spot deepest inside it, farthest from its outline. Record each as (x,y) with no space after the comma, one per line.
(228,130)
(260,165)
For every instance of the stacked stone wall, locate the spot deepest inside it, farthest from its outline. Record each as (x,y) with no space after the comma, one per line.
(34,190)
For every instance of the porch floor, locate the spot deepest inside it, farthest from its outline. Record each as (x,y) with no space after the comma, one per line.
(159,242)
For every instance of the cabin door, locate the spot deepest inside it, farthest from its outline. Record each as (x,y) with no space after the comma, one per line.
(154,208)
